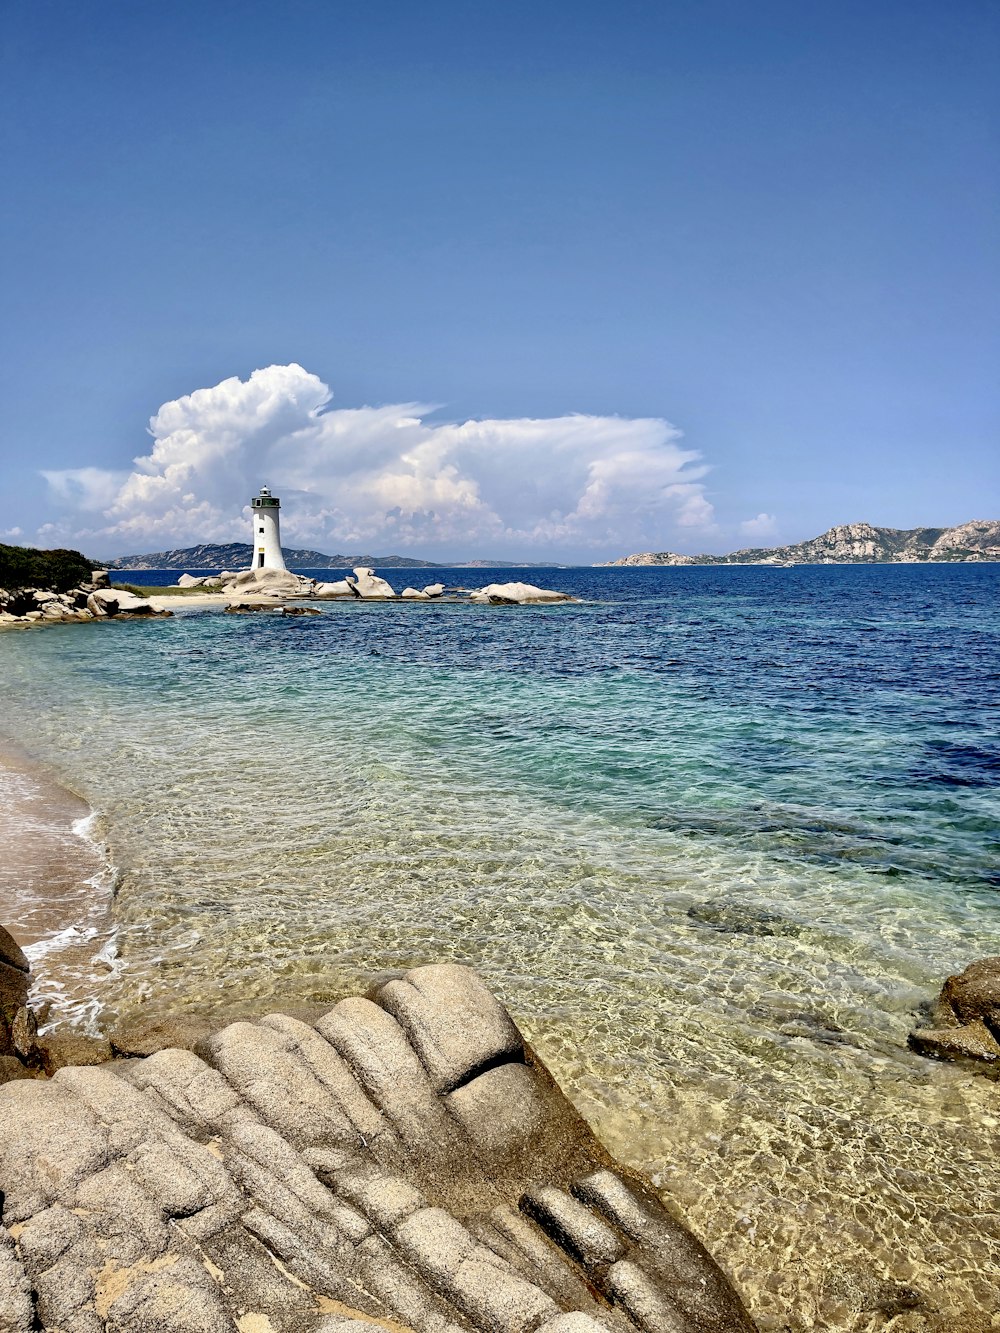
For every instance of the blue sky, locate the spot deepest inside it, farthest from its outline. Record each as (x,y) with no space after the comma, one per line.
(607,277)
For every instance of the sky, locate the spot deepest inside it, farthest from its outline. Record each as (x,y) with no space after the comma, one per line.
(522,280)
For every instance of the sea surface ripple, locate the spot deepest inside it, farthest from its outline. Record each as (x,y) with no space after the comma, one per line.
(714,834)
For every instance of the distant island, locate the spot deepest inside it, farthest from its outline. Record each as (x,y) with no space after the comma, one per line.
(239,555)
(855,544)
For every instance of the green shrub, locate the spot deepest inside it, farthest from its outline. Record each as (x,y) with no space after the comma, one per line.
(24,567)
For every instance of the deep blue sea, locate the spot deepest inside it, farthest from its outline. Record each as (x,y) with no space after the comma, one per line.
(714,835)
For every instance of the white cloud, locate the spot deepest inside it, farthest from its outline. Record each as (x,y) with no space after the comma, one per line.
(12,532)
(85,488)
(385,477)
(764,525)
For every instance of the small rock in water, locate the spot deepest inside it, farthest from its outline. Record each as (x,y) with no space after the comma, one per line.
(966,1020)
(739,918)
(517,594)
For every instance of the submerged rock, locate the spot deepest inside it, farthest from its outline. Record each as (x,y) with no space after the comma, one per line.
(966,1020)
(405,1162)
(740,918)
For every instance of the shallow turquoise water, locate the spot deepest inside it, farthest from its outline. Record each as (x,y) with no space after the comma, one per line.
(573,798)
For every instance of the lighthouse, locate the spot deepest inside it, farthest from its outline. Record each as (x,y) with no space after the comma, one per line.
(266,534)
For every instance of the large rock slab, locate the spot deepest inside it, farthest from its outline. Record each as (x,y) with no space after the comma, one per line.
(517,594)
(339,588)
(366,583)
(119,602)
(406,1163)
(265,583)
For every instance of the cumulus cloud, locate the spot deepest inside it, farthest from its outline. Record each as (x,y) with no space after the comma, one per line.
(385,477)
(764,525)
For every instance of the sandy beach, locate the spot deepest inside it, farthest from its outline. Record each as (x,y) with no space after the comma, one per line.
(55,887)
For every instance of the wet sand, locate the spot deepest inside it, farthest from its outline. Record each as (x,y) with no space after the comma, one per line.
(55,888)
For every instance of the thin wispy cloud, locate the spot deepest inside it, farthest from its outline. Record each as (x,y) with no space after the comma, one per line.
(385,477)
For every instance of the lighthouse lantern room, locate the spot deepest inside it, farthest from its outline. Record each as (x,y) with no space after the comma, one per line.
(266,533)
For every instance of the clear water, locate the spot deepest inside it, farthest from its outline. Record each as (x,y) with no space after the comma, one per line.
(574,799)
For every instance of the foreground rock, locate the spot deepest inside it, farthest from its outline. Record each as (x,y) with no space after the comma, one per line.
(517,594)
(404,1163)
(966,1019)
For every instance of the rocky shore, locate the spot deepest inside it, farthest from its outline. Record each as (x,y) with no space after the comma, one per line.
(248,590)
(363,584)
(94,599)
(406,1162)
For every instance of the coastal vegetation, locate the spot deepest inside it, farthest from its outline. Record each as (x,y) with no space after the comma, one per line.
(56,570)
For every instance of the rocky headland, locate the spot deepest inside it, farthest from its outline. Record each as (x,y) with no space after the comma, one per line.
(853,544)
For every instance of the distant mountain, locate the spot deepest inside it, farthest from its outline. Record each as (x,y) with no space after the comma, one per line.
(505,564)
(238,555)
(855,544)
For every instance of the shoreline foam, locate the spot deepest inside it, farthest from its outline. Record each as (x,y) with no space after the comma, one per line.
(56,889)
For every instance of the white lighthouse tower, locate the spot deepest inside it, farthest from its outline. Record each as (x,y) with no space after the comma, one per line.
(266,533)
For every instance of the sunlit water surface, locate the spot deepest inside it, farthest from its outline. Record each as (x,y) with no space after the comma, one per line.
(714,835)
